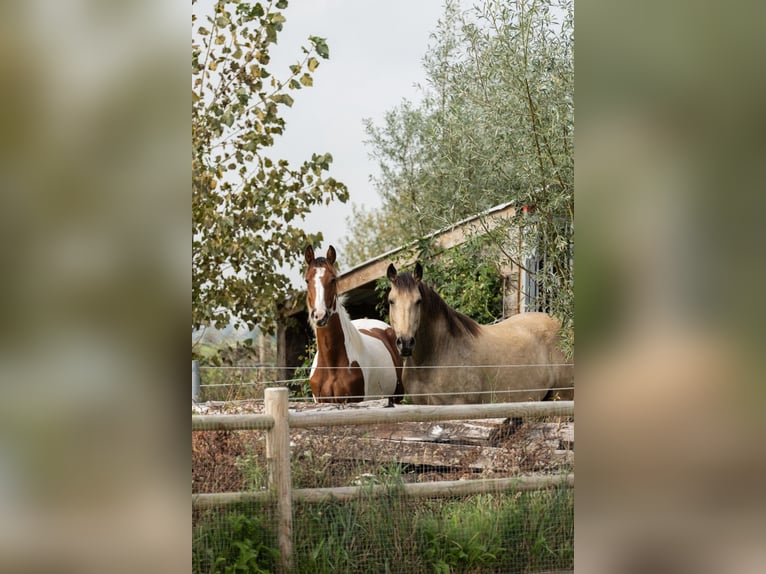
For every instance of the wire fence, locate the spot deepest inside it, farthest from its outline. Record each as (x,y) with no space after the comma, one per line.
(245,383)
(383,514)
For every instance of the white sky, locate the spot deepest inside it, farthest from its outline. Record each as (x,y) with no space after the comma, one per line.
(376,52)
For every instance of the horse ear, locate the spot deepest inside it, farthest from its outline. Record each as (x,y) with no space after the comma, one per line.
(391,273)
(418,271)
(331,255)
(308,253)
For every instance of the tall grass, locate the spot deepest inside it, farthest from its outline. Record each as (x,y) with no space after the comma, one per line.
(505,532)
(235,383)
(238,540)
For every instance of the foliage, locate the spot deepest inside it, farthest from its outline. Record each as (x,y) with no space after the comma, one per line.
(235,383)
(504,532)
(509,531)
(466,278)
(496,124)
(463,537)
(245,205)
(245,547)
(232,370)
(300,387)
(539,528)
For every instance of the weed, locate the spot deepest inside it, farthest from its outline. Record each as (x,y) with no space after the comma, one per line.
(242,545)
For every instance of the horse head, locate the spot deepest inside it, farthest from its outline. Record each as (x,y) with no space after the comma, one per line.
(321,286)
(404,306)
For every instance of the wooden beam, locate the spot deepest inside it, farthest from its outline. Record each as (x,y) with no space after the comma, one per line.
(440,489)
(376,415)
(232,422)
(445,239)
(411,413)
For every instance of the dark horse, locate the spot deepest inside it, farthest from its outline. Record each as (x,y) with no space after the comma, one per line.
(451,359)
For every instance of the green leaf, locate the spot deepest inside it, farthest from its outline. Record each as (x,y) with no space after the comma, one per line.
(245,220)
(282,99)
(320,45)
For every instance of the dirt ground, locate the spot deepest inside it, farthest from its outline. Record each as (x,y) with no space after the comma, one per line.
(229,461)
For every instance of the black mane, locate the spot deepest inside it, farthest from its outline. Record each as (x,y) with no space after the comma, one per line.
(457,323)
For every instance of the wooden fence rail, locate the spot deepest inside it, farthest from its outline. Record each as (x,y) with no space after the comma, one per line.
(441,489)
(402,413)
(278,421)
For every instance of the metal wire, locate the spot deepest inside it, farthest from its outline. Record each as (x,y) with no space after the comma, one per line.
(410,366)
(377,397)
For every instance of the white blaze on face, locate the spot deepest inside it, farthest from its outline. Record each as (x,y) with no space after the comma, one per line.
(320,309)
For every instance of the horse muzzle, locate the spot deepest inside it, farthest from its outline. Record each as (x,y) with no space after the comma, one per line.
(319,318)
(405,345)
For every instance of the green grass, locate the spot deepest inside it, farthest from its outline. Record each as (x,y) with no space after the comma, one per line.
(510,532)
(235,541)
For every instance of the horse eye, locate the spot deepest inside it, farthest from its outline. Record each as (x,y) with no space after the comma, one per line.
(390,301)
(418,302)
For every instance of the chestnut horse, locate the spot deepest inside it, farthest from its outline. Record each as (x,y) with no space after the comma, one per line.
(355,360)
(451,359)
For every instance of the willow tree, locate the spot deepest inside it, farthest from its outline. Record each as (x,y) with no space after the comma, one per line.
(495,125)
(246,205)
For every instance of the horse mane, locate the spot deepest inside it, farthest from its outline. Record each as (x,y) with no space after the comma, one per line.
(458,324)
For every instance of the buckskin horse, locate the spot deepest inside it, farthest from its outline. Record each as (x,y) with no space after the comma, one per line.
(355,360)
(452,359)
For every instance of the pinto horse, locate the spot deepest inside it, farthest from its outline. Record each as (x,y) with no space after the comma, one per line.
(451,359)
(355,359)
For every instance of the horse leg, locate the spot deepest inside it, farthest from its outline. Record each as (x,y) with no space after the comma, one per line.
(398,395)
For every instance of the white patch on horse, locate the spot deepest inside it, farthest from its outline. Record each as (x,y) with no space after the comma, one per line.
(319,305)
(314,364)
(370,353)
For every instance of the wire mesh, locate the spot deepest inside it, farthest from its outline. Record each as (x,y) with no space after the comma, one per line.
(384,527)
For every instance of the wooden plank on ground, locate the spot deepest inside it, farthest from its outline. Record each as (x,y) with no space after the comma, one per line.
(453,432)
(468,457)
(455,456)
(476,432)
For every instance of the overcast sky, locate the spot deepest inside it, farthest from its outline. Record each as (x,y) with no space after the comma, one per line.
(376,53)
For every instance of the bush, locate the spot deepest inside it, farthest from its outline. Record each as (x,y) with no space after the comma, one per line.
(242,545)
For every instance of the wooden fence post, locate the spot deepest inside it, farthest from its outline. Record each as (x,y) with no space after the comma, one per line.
(195,381)
(278,458)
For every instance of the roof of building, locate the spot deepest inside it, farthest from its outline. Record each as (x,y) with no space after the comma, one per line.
(358,283)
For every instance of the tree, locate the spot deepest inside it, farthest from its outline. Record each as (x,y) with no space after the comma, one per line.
(495,125)
(245,205)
